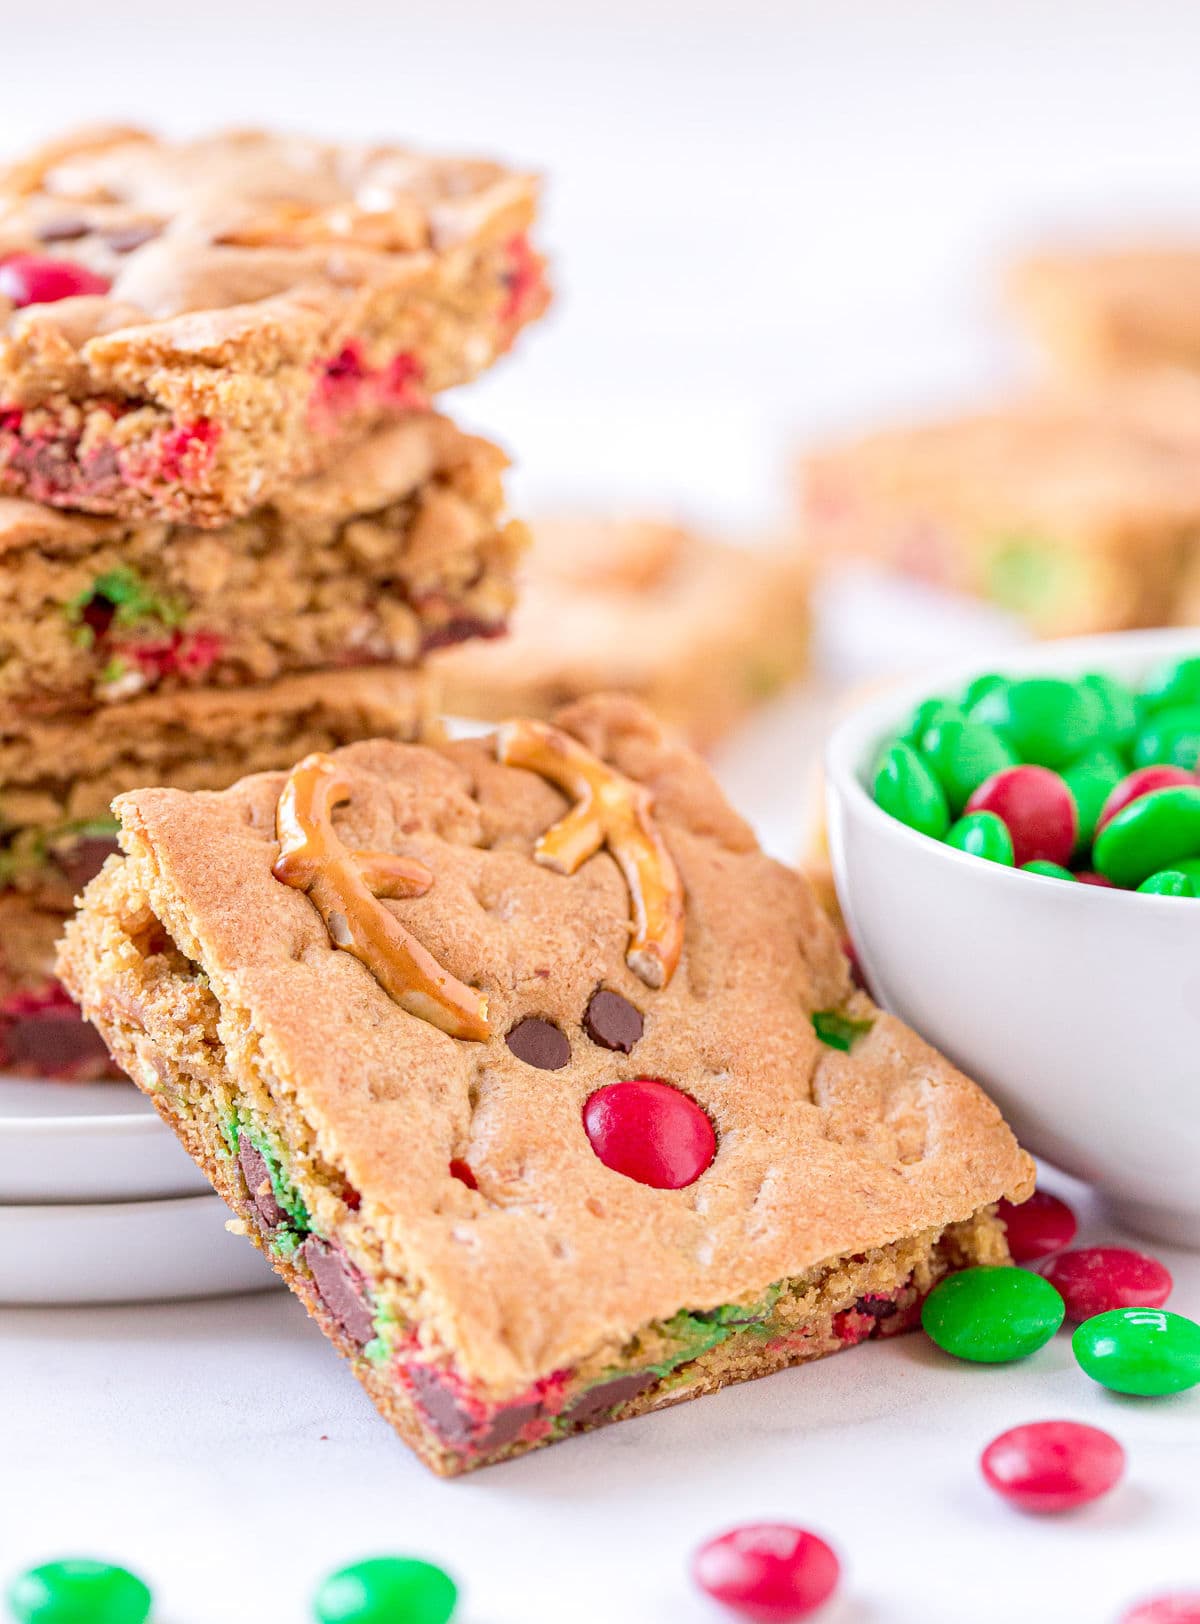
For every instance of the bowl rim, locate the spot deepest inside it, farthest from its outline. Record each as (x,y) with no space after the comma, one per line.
(856,739)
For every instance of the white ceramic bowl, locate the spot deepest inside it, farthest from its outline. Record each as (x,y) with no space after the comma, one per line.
(1077,1008)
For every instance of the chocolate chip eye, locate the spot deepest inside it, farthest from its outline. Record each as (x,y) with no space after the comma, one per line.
(612,1021)
(539,1043)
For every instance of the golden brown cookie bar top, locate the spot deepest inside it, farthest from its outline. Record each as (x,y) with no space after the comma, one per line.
(1111,309)
(403,546)
(185,326)
(529,887)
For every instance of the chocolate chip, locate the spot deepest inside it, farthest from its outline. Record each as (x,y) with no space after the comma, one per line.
(69,229)
(604,1396)
(454,1422)
(81,860)
(459,630)
(539,1043)
(258,1181)
(126,238)
(56,1042)
(877,1307)
(341,1288)
(612,1021)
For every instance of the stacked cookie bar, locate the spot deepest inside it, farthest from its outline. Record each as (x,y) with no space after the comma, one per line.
(232,526)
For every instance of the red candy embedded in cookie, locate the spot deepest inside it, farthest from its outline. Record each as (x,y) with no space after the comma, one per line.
(29,279)
(772,1573)
(1038,1226)
(1142,782)
(650,1131)
(1037,809)
(1053,1465)
(1094,1279)
(1182,1607)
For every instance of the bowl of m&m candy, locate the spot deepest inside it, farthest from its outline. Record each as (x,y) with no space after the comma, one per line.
(1017,853)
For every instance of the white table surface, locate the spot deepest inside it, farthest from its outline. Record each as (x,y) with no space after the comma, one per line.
(770,216)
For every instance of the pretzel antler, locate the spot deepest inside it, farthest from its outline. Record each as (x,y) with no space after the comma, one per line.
(344,887)
(610,810)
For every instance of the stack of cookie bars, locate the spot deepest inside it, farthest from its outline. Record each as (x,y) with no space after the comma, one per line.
(231,525)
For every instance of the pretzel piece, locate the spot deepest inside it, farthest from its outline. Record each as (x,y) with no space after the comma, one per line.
(610,810)
(344,886)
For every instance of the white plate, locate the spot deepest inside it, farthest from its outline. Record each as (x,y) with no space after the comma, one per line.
(71,1142)
(125,1252)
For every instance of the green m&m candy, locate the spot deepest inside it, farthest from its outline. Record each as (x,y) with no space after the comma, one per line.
(1156,831)
(77,1590)
(387,1590)
(1168,882)
(961,755)
(1171,683)
(905,788)
(992,1314)
(1170,737)
(1048,721)
(1118,707)
(1148,1351)
(929,713)
(982,685)
(982,834)
(1048,871)
(1091,781)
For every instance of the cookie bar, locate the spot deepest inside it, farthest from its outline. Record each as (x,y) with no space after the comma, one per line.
(58,775)
(700,630)
(402,547)
(508,1052)
(1078,514)
(187,326)
(42,1033)
(1102,311)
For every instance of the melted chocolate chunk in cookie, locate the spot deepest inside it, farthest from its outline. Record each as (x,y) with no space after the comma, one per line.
(612,1021)
(539,1043)
(341,1288)
(605,1396)
(258,1181)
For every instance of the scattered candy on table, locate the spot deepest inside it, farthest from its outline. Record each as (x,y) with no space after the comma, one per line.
(1147,1351)
(991,1315)
(1039,1226)
(1067,779)
(1096,1279)
(1181,1607)
(772,1573)
(78,1590)
(386,1590)
(1053,1465)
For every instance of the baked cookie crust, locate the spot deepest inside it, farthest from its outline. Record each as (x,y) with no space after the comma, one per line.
(279,966)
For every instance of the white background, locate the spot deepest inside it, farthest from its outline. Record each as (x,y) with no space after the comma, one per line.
(768,220)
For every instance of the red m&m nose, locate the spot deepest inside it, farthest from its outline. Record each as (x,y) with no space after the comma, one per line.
(1053,1465)
(1038,1226)
(1036,807)
(772,1573)
(1095,1279)
(29,279)
(649,1131)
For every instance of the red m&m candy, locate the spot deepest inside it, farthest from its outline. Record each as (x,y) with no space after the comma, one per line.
(772,1573)
(1093,1279)
(1038,1226)
(1053,1465)
(1036,807)
(29,279)
(650,1131)
(1182,1607)
(1142,782)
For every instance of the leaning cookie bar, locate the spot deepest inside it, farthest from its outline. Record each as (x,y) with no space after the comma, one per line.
(546,1091)
(402,547)
(1077,513)
(187,326)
